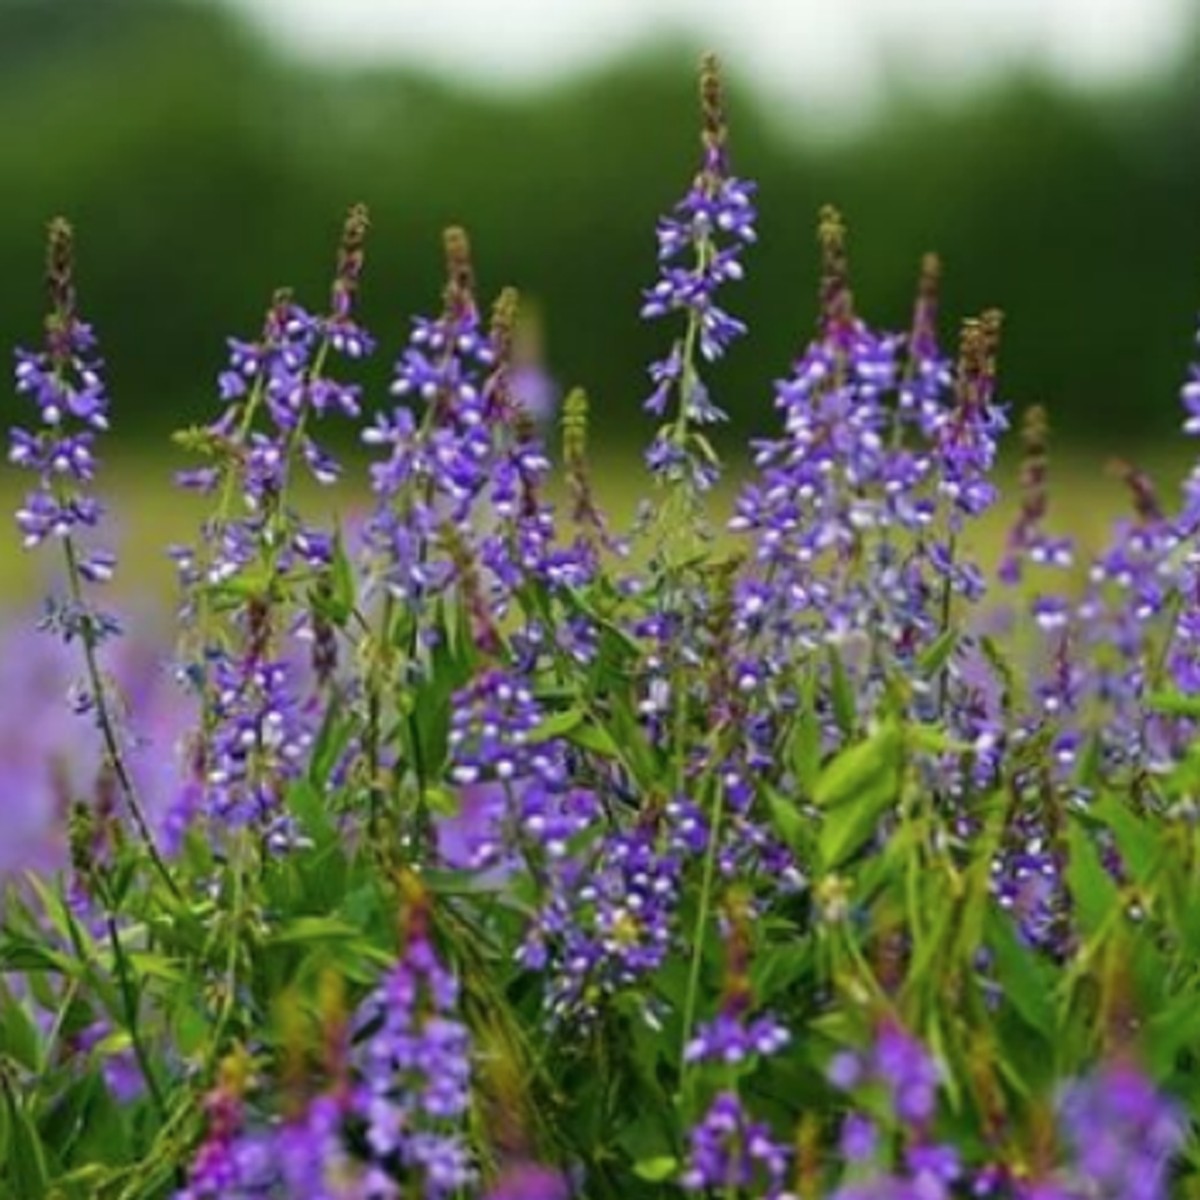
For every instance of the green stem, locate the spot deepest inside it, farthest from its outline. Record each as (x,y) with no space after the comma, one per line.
(946,612)
(702,915)
(129,998)
(224,509)
(125,982)
(375,718)
(237,917)
(112,749)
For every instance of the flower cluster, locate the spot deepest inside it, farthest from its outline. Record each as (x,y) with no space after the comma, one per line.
(437,466)
(415,1063)
(526,805)
(65,383)
(707,230)
(900,1067)
(282,376)
(730,1151)
(1121,1133)
(610,921)
(260,740)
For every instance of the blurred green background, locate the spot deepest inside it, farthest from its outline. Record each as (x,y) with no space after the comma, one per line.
(203,165)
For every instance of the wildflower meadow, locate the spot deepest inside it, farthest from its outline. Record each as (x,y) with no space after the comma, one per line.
(481,847)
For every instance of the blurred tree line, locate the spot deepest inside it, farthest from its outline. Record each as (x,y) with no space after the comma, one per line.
(202,169)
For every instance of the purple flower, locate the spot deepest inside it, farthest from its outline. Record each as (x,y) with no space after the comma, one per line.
(965,440)
(859,1138)
(415,1062)
(282,377)
(608,919)
(729,1151)
(526,803)
(899,1063)
(430,486)
(1122,1133)
(699,248)
(731,1039)
(261,735)
(65,384)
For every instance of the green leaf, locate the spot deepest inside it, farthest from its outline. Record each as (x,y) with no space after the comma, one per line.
(862,770)
(340,600)
(1173,704)
(25,1162)
(595,738)
(573,726)
(845,829)
(558,725)
(1027,982)
(331,742)
(841,694)
(658,1169)
(461,883)
(791,825)
(1140,850)
(313,929)
(25,955)
(157,965)
(934,658)
(441,801)
(308,804)
(856,788)
(1170,1030)
(1093,892)
(19,1037)
(777,968)
(805,749)
(635,751)
(999,663)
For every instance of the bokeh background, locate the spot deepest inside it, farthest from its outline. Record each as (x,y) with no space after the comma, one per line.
(1048,149)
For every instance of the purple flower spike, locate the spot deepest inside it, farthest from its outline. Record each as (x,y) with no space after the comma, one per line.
(699,249)
(65,384)
(415,1062)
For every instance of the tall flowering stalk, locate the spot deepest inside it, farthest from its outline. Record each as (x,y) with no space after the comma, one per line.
(437,464)
(699,248)
(64,381)
(899,1067)
(437,449)
(257,728)
(828,483)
